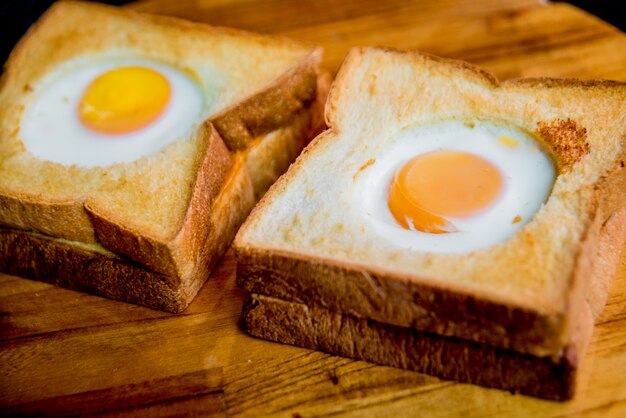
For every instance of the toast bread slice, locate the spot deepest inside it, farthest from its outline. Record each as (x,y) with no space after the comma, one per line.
(259,93)
(150,218)
(306,242)
(334,332)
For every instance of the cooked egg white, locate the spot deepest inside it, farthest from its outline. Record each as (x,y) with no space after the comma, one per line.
(524,170)
(59,125)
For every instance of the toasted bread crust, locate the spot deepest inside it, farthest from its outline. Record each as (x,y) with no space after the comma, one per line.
(608,243)
(232,206)
(269,156)
(60,218)
(318,122)
(40,258)
(604,265)
(450,358)
(172,256)
(273,108)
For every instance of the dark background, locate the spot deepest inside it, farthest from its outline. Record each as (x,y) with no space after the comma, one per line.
(17,16)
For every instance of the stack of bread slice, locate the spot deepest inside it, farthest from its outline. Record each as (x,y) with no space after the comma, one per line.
(149,231)
(516,315)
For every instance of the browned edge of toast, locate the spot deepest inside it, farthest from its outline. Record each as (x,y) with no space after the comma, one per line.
(269,156)
(23,211)
(272,108)
(313,327)
(606,236)
(175,257)
(39,258)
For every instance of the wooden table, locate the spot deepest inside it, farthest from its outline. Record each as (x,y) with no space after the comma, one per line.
(71,353)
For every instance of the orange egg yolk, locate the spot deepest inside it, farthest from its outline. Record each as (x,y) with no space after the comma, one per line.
(440,184)
(124,100)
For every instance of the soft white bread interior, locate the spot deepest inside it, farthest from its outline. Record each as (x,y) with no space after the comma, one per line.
(153,210)
(307,241)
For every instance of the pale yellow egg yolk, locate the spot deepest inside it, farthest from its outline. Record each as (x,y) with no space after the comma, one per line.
(124,100)
(441,184)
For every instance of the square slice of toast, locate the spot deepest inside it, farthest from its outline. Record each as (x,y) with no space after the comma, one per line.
(308,243)
(174,212)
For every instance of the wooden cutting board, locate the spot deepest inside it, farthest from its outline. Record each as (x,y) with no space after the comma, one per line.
(67,353)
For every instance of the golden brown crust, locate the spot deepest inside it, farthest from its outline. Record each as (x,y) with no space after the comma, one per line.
(318,123)
(338,333)
(548,82)
(610,221)
(40,258)
(608,250)
(481,73)
(172,256)
(612,187)
(269,156)
(271,109)
(232,206)
(60,218)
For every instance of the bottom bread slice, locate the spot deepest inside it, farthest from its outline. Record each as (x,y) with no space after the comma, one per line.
(449,358)
(87,269)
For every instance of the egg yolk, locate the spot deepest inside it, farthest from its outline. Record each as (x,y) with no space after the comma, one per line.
(124,100)
(440,184)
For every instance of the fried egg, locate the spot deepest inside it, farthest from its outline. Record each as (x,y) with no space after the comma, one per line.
(455,186)
(109,111)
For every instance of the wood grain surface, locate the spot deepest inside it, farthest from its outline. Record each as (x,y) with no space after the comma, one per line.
(65,353)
